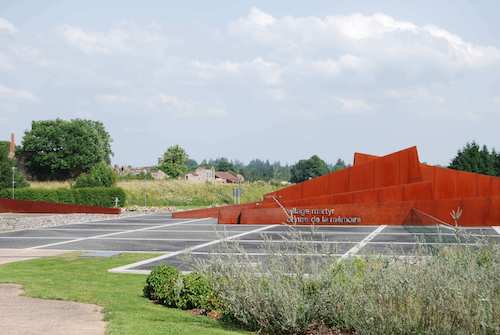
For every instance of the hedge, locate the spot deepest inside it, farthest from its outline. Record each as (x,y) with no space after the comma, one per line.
(92,196)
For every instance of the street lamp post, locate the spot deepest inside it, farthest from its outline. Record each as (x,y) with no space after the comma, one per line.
(13,182)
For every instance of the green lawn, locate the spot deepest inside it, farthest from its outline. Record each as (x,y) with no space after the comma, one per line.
(70,277)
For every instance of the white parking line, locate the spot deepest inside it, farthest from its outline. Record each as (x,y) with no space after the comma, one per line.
(497,229)
(126,268)
(110,234)
(354,250)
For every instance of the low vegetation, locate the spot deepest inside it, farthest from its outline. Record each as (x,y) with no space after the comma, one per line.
(455,291)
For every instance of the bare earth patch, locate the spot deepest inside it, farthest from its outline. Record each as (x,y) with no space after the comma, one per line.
(20,315)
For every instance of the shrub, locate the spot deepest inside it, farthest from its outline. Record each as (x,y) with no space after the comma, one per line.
(97,196)
(167,286)
(161,284)
(101,175)
(195,292)
(454,291)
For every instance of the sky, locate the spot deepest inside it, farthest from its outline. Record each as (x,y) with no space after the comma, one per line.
(279,80)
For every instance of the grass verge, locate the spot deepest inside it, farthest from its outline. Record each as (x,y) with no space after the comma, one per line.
(86,280)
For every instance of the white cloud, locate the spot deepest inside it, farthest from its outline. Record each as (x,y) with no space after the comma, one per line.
(5,64)
(186,109)
(112,99)
(354,105)
(414,94)
(121,38)
(379,37)
(7,27)
(267,72)
(17,94)
(334,67)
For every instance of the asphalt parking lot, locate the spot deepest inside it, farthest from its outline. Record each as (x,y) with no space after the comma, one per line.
(201,238)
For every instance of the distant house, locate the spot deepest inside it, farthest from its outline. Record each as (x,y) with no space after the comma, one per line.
(138,171)
(201,175)
(228,177)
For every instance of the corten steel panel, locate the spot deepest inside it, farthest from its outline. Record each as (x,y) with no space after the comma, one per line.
(403,166)
(386,171)
(466,184)
(373,214)
(495,187)
(474,211)
(315,187)
(25,206)
(342,198)
(338,182)
(418,191)
(484,185)
(390,194)
(493,218)
(427,172)
(366,196)
(263,216)
(289,193)
(361,158)
(229,215)
(444,183)
(414,166)
(361,177)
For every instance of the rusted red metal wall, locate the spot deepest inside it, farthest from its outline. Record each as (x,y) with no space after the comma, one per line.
(391,189)
(24,206)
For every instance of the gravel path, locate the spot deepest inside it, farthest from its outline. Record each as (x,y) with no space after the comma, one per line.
(20,315)
(17,221)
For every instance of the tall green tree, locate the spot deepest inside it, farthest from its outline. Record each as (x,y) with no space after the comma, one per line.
(308,168)
(222,164)
(474,158)
(62,149)
(174,161)
(6,172)
(339,165)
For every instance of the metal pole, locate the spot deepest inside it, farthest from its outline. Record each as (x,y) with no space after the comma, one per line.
(145,194)
(13,182)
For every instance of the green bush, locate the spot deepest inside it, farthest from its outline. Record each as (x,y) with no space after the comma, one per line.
(97,196)
(167,286)
(195,292)
(161,285)
(101,175)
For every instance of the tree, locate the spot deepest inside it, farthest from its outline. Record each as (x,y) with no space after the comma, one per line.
(222,164)
(473,158)
(174,161)
(61,149)
(6,166)
(308,168)
(339,165)
(191,164)
(101,175)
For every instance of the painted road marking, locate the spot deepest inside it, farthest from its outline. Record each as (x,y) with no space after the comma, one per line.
(126,268)
(354,250)
(110,234)
(497,229)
